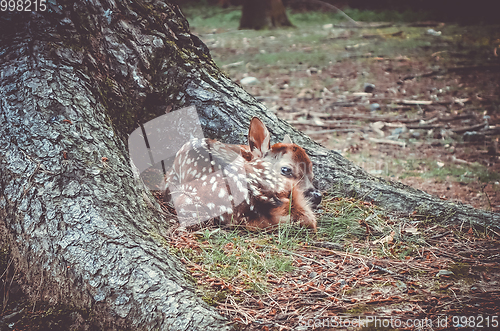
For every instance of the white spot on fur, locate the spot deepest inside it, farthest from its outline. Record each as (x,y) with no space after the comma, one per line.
(240,186)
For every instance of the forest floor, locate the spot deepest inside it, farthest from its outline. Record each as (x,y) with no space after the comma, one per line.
(413,102)
(417,102)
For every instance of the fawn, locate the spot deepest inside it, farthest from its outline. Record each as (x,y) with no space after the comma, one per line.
(256,185)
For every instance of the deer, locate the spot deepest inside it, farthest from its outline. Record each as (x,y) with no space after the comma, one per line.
(257,185)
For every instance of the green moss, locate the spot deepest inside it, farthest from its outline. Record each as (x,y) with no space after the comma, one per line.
(214,298)
(460,271)
(357,310)
(4,257)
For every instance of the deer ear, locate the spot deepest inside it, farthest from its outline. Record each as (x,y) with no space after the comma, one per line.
(287,139)
(259,139)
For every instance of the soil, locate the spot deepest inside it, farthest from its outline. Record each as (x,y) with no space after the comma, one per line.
(337,113)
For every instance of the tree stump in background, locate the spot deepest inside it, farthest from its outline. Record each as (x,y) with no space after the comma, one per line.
(261,14)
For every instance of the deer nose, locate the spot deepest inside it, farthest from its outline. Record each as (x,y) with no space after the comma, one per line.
(314,196)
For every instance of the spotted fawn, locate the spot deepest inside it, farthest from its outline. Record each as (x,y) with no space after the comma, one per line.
(255,185)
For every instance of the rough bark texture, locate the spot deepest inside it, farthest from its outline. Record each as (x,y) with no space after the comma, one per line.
(82,230)
(75,81)
(260,14)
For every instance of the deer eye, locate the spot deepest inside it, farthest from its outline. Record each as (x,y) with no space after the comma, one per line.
(286,171)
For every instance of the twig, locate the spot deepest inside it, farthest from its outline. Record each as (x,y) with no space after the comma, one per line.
(331,7)
(329,245)
(312,132)
(455,69)
(387,141)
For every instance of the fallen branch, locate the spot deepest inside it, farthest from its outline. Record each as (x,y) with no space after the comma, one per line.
(388,141)
(330,6)
(454,69)
(416,102)
(470,128)
(312,132)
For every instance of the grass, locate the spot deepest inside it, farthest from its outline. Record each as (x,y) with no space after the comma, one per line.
(217,18)
(426,168)
(241,258)
(311,43)
(245,260)
(345,218)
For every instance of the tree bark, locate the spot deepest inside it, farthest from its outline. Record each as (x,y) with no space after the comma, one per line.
(75,81)
(261,14)
(83,231)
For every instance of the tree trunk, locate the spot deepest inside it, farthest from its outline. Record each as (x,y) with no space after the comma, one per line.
(260,14)
(75,81)
(83,231)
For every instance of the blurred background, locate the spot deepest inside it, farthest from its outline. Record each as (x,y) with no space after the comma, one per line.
(407,90)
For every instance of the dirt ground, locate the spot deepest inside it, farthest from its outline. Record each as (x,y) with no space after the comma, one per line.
(396,99)
(331,116)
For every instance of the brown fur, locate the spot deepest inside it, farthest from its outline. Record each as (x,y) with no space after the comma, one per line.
(277,177)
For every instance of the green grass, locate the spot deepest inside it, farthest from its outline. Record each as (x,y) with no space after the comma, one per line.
(218,18)
(245,258)
(308,43)
(346,219)
(426,168)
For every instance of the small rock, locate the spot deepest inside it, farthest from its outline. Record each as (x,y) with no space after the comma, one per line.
(415,134)
(249,81)
(398,131)
(393,137)
(368,88)
(313,274)
(433,32)
(445,273)
(374,106)
(473,136)
(313,70)
(327,26)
